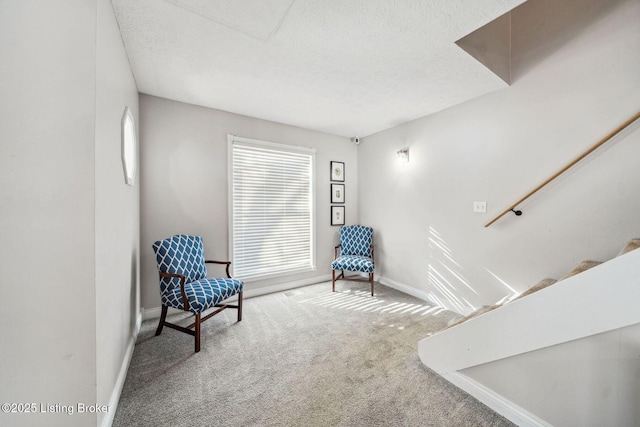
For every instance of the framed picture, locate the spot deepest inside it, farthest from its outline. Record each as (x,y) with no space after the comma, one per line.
(337,193)
(337,215)
(337,171)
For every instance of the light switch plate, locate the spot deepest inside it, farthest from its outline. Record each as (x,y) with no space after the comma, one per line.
(480,207)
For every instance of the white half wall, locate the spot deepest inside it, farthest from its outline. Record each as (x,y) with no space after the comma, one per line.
(185,184)
(576,71)
(593,381)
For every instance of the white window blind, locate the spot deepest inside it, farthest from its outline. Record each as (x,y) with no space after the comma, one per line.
(272,208)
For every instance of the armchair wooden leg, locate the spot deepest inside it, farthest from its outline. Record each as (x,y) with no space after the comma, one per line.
(239,306)
(333,280)
(163,317)
(197,332)
(371,281)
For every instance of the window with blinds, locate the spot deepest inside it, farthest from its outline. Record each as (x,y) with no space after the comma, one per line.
(272,205)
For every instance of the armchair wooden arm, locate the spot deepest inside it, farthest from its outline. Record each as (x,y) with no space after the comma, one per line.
(185,300)
(227,263)
(239,306)
(335,252)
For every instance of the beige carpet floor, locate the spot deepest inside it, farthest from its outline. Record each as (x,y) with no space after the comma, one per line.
(305,357)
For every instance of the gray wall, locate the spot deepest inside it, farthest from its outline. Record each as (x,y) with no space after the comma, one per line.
(576,77)
(117,216)
(59,125)
(185,184)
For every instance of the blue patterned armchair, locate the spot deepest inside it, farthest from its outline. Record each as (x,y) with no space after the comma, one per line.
(184,284)
(354,253)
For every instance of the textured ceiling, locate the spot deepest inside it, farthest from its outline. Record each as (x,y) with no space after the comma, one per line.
(349,68)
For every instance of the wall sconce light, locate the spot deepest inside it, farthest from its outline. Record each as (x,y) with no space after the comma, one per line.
(129,146)
(403,155)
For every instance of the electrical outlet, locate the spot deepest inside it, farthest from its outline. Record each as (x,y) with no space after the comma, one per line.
(480,207)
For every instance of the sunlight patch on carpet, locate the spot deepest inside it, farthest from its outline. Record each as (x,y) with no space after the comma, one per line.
(362,301)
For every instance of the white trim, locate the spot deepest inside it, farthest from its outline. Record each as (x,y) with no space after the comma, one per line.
(314,208)
(154,313)
(122,375)
(229,195)
(261,277)
(264,290)
(495,401)
(233,140)
(261,143)
(409,290)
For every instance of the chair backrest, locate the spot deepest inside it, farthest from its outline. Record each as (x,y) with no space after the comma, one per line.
(355,240)
(180,254)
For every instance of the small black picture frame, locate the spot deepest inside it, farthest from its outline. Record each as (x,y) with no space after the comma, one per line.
(337,215)
(337,171)
(337,193)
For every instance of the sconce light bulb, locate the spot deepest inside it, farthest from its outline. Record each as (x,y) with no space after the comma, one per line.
(403,154)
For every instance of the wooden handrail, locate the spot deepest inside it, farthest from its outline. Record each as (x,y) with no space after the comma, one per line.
(570,164)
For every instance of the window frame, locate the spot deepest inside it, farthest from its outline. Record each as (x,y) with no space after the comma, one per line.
(277,147)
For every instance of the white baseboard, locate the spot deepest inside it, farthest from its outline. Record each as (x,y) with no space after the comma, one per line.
(249,293)
(151,313)
(409,290)
(154,313)
(122,375)
(495,401)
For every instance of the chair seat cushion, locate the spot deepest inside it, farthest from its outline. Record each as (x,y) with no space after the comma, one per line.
(202,294)
(353,263)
